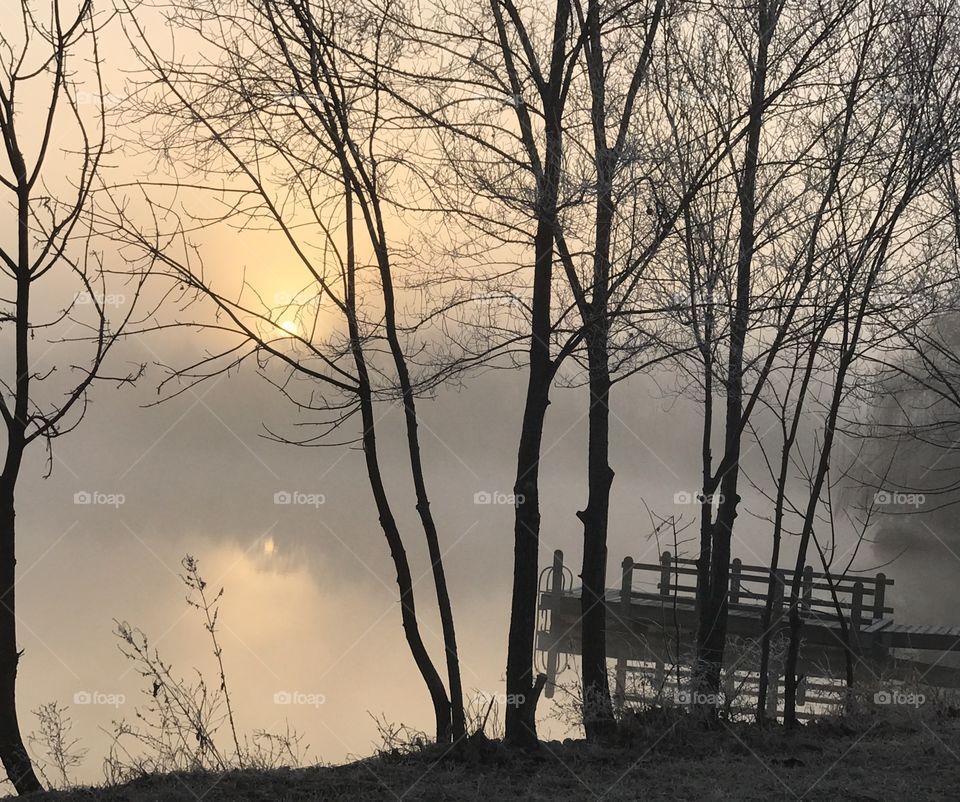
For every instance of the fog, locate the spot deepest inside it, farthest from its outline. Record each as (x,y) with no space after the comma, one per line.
(310,607)
(309,621)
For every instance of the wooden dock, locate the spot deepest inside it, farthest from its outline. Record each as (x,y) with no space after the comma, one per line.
(651,633)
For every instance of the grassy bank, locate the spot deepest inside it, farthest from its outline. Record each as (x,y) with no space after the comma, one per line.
(670,762)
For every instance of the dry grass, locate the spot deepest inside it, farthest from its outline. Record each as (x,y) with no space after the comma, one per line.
(666,761)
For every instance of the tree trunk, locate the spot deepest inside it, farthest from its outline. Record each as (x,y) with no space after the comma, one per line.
(706,504)
(597,708)
(520,729)
(408,613)
(598,719)
(712,633)
(13,753)
(766,619)
(458,718)
(712,629)
(520,724)
(790,681)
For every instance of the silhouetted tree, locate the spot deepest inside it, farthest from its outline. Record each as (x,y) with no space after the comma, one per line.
(301,113)
(887,218)
(734,292)
(55,287)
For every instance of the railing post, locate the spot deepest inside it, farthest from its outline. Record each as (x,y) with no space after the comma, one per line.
(556,590)
(665,571)
(735,569)
(807,588)
(856,615)
(879,593)
(879,601)
(626,596)
(773,671)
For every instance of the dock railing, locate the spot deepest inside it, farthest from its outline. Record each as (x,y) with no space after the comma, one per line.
(825,599)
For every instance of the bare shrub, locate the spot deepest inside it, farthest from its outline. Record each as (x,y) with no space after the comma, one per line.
(55,751)
(484,715)
(903,701)
(179,726)
(399,740)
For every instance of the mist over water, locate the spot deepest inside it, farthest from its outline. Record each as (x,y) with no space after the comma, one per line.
(310,609)
(310,618)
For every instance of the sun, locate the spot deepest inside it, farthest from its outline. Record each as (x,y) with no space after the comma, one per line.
(290,327)
(269,546)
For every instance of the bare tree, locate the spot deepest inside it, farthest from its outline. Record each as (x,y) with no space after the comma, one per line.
(568,202)
(521,64)
(742,308)
(609,152)
(712,629)
(600,208)
(55,286)
(550,79)
(887,216)
(296,102)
